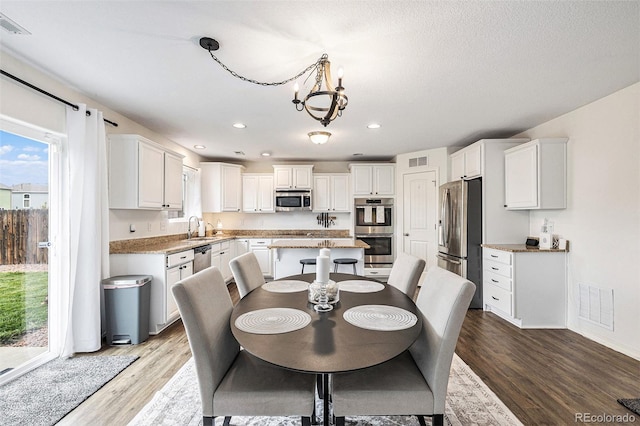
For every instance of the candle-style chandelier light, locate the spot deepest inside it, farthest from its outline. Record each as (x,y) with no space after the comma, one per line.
(324,104)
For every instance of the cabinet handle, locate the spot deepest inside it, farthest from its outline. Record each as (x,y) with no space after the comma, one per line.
(494,298)
(493,255)
(406,235)
(495,269)
(495,281)
(221,252)
(183,257)
(373,273)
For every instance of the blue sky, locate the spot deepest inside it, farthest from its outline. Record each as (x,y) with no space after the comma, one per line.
(23,160)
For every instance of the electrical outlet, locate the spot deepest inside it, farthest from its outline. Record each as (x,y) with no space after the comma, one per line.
(148,226)
(132,228)
(163,226)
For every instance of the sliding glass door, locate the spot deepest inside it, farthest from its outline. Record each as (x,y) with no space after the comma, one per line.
(28,220)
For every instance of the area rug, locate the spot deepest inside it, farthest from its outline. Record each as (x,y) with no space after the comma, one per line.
(632,404)
(45,395)
(469,402)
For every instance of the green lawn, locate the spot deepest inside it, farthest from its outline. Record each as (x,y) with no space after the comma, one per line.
(21,303)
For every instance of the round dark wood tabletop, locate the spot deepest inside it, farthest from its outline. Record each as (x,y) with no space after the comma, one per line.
(329,344)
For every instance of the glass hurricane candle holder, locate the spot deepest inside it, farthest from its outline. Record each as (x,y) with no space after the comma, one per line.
(331,291)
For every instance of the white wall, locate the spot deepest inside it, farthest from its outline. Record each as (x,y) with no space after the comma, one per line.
(24,104)
(602,219)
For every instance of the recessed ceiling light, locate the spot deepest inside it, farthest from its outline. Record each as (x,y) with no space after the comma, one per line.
(199,146)
(373,126)
(266,154)
(239,125)
(239,152)
(357,154)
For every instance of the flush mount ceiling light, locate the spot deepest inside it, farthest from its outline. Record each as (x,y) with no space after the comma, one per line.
(324,105)
(199,146)
(266,154)
(239,125)
(373,126)
(319,137)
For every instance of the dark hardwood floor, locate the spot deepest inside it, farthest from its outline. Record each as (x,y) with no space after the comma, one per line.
(544,376)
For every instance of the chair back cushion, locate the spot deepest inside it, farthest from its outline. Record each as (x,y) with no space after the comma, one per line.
(246,273)
(205,306)
(443,301)
(405,273)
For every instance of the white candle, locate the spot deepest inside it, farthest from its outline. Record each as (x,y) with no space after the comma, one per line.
(322,269)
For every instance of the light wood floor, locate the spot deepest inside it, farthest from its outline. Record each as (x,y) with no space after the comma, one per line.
(543,376)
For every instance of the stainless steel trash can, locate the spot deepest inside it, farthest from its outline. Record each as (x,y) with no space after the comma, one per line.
(126,302)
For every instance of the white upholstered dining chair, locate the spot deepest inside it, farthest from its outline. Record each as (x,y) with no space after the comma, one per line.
(415,382)
(246,273)
(405,273)
(232,382)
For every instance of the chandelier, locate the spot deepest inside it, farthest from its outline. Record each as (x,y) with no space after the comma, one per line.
(323,103)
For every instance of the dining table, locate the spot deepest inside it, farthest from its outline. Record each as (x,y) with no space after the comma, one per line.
(372,322)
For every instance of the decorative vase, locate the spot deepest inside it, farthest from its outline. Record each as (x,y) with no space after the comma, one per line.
(331,288)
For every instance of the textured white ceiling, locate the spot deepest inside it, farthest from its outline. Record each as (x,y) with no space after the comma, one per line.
(431,73)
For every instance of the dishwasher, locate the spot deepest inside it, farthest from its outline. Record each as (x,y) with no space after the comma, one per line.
(202,258)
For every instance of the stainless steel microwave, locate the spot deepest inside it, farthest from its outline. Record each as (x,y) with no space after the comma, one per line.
(289,201)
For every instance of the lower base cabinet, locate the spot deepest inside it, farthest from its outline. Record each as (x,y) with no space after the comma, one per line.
(528,289)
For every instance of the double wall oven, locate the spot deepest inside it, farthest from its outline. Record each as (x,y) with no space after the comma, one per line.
(373,224)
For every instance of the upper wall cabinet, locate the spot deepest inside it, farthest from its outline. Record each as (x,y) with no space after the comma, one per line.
(221,187)
(467,163)
(143,175)
(373,179)
(536,175)
(331,193)
(257,193)
(293,177)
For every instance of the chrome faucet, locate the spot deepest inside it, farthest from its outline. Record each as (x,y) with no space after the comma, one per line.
(189,233)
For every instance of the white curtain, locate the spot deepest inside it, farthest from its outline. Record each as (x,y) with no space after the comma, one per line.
(87,231)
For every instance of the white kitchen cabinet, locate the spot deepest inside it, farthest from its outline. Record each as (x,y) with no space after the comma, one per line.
(221,254)
(331,193)
(257,193)
(260,247)
(373,179)
(526,288)
(166,270)
(221,187)
(293,177)
(143,174)
(467,163)
(174,275)
(498,224)
(536,176)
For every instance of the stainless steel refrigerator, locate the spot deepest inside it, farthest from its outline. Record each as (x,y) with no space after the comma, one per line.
(460,232)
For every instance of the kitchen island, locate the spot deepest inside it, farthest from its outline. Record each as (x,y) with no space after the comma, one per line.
(287,254)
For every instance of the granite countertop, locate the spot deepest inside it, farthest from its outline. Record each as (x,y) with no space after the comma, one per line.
(170,244)
(521,248)
(144,246)
(326,243)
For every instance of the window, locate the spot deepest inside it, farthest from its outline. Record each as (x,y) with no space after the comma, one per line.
(191,205)
(26,201)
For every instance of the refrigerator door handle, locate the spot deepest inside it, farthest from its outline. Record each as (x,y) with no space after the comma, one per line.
(444,218)
(446,259)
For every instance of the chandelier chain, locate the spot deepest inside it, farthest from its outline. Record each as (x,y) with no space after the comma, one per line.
(316,64)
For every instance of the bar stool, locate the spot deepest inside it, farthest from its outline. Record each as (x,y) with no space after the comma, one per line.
(345,261)
(307,262)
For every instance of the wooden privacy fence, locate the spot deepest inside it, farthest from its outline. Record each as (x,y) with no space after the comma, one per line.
(22,230)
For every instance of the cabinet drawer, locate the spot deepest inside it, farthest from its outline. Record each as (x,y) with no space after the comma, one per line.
(178,258)
(497,255)
(259,242)
(491,278)
(498,297)
(497,268)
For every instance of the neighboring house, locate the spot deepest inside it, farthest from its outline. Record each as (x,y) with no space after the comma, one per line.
(5,197)
(29,196)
